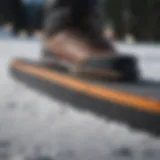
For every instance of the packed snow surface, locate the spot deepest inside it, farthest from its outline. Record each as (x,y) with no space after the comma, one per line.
(34,124)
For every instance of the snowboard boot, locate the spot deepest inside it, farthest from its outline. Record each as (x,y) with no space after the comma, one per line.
(76,40)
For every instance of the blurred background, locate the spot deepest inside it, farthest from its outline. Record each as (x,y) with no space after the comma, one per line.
(125,19)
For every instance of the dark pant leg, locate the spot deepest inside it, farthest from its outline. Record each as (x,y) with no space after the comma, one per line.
(57,16)
(85,15)
(89,16)
(69,13)
(77,12)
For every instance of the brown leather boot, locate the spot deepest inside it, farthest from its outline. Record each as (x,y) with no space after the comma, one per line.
(84,58)
(74,36)
(74,49)
(74,30)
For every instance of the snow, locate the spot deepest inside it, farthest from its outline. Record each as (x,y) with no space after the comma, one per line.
(33,123)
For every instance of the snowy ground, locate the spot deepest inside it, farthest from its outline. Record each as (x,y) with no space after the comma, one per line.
(33,123)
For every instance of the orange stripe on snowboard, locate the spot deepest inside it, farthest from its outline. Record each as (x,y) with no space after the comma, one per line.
(117,97)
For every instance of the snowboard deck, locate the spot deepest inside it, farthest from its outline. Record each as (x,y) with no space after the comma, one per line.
(136,103)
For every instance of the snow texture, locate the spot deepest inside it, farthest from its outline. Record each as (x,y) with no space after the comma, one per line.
(36,125)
